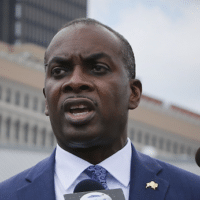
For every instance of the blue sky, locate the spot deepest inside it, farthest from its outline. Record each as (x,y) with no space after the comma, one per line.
(165,37)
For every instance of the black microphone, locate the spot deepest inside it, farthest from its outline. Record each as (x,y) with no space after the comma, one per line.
(92,190)
(88,185)
(197,157)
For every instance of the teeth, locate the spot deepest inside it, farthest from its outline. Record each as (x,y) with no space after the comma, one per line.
(78,107)
(83,113)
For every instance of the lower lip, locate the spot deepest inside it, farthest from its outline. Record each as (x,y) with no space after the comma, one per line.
(79,118)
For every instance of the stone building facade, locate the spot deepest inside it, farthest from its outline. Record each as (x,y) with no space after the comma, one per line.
(169,130)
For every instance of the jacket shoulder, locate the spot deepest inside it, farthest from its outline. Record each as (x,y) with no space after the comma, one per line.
(181,182)
(9,187)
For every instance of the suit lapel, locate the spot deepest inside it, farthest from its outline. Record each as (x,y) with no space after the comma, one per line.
(144,170)
(40,181)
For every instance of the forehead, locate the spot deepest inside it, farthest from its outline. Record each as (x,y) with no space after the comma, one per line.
(83,39)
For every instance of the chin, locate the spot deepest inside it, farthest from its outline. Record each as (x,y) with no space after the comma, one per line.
(94,143)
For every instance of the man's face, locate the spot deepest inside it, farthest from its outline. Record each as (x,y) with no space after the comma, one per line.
(87,89)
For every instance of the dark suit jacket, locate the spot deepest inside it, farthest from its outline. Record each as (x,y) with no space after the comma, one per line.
(37,183)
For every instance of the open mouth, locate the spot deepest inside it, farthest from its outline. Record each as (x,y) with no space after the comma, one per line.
(79,110)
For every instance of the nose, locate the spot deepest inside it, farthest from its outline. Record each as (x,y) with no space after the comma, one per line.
(77,82)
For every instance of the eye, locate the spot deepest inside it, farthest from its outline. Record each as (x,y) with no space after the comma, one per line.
(100,69)
(58,71)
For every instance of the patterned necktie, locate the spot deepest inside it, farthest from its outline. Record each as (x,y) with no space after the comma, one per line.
(97,173)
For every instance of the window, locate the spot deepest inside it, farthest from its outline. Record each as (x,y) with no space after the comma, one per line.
(35,130)
(17,98)
(0,124)
(18,11)
(43,136)
(175,148)
(18,42)
(132,134)
(147,139)
(52,139)
(189,151)
(139,137)
(26,129)
(17,126)
(0,93)
(18,29)
(35,103)
(8,124)
(168,145)
(161,143)
(43,107)
(182,149)
(154,141)
(8,95)
(26,101)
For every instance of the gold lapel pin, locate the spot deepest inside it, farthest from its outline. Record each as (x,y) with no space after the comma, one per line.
(152,184)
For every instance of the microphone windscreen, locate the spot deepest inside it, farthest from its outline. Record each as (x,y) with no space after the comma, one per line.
(197,157)
(88,185)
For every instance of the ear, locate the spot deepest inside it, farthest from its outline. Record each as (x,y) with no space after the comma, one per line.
(136,93)
(46,111)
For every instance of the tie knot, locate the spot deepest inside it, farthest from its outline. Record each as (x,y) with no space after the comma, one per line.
(97,173)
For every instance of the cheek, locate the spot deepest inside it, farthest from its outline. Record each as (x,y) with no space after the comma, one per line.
(114,95)
(52,95)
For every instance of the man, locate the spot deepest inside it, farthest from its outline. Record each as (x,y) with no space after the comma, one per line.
(89,88)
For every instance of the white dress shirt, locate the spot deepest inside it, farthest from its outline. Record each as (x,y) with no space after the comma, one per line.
(69,171)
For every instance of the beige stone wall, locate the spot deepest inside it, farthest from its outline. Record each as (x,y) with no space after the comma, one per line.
(166,122)
(37,51)
(16,72)
(21,74)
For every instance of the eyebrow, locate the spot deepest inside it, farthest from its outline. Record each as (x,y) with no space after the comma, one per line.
(58,60)
(96,56)
(89,58)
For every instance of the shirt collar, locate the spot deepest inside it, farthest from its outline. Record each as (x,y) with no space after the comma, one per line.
(68,167)
(119,164)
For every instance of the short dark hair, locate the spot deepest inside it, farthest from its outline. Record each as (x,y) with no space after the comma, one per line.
(127,52)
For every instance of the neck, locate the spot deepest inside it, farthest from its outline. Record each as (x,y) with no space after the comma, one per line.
(95,154)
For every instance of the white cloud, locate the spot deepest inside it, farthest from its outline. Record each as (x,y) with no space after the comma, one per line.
(167,52)
(99,9)
(166,42)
